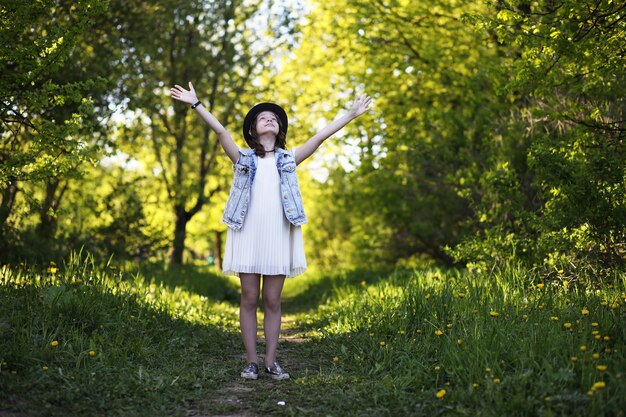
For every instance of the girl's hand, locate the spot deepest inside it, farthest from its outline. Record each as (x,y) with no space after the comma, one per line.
(360,105)
(186,96)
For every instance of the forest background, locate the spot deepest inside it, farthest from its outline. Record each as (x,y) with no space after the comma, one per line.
(496,135)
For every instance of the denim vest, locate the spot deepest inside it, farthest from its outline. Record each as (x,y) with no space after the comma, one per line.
(240,191)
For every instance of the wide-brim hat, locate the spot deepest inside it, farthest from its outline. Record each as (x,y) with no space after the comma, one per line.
(261,107)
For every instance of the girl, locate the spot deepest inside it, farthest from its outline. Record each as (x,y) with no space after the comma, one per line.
(264,213)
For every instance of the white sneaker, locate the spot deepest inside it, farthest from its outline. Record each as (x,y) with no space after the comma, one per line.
(276,372)
(251,371)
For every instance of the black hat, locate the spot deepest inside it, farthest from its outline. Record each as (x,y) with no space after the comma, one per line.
(261,107)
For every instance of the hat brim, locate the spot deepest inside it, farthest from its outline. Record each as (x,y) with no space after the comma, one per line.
(261,107)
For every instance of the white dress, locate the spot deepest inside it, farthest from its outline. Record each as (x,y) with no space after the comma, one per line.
(267,244)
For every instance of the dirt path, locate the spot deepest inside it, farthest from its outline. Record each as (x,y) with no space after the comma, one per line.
(238,398)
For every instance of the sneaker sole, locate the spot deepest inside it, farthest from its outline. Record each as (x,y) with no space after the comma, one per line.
(278,377)
(249,376)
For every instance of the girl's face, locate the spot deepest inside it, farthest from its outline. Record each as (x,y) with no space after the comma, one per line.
(267,122)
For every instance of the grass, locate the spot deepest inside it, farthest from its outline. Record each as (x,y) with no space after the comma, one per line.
(420,342)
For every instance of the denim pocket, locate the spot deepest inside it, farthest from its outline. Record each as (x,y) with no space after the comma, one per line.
(289,167)
(242,174)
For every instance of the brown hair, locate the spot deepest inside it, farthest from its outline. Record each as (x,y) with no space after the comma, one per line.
(281,138)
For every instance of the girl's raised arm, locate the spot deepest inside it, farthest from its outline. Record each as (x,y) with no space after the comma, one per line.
(360,106)
(189,97)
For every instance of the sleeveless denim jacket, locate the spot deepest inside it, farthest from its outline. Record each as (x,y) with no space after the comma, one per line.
(240,190)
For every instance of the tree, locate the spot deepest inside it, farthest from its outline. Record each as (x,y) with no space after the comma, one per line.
(216,45)
(46,111)
(564,76)
(499,132)
(432,105)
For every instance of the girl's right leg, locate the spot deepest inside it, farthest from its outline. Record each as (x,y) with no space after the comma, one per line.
(250,288)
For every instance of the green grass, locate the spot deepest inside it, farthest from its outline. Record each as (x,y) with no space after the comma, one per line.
(357,343)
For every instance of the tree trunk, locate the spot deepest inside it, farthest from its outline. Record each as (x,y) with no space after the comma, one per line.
(6,205)
(47,215)
(180,233)
(217,249)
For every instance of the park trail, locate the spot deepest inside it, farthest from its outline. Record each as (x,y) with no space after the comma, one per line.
(239,396)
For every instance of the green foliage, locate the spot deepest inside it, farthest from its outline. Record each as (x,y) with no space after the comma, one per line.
(565,207)
(44,110)
(497,133)
(54,87)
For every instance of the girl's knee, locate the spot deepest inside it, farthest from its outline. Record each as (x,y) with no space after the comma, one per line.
(271,303)
(249,300)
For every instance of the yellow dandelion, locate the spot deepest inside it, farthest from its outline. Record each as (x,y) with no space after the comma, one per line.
(599,385)
(524,316)
(441,393)
(92,353)
(381,343)
(487,369)
(459,342)
(54,343)
(573,358)
(604,303)
(554,318)
(335,359)
(597,337)
(45,368)
(427,296)
(595,332)
(596,356)
(363,283)
(418,331)
(494,313)
(496,381)
(606,338)
(401,332)
(590,393)
(567,325)
(449,325)
(460,294)
(437,368)
(540,285)
(438,332)
(584,312)
(607,350)
(594,324)
(601,368)
(371,334)
(474,385)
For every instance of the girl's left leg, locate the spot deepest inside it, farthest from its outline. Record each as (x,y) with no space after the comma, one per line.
(272,290)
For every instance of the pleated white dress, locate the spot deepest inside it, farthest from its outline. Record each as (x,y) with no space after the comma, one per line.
(267,244)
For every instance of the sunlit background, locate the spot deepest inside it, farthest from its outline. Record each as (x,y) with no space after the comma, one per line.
(496,131)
